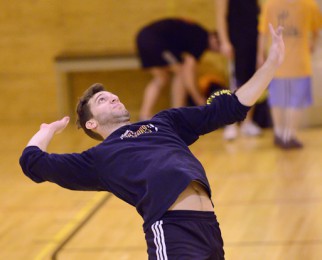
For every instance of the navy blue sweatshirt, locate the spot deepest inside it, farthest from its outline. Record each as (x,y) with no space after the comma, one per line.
(146,164)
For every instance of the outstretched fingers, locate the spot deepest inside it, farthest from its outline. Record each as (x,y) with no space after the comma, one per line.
(277,49)
(278,33)
(57,126)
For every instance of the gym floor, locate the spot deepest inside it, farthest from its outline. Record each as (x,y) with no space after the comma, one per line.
(268,202)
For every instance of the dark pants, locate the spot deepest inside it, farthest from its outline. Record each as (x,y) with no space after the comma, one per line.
(186,235)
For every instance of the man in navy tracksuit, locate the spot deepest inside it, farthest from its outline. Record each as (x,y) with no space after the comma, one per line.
(148,164)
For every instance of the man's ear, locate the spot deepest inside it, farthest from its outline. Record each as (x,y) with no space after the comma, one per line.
(91,124)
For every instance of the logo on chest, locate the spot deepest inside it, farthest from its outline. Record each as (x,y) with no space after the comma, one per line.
(143,129)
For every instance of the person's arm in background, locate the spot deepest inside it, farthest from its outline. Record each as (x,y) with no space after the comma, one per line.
(226,47)
(184,80)
(315,24)
(313,41)
(252,89)
(188,74)
(46,132)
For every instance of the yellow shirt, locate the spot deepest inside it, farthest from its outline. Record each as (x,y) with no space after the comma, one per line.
(299,18)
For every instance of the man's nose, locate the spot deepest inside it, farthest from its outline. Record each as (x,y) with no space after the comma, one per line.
(114,99)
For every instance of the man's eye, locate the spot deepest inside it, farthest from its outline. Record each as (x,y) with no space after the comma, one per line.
(100,100)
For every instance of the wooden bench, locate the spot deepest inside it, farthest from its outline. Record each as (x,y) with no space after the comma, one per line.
(85,62)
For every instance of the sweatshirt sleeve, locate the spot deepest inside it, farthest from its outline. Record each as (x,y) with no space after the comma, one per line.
(71,171)
(190,122)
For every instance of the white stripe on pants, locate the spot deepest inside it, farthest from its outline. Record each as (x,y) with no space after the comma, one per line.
(159,242)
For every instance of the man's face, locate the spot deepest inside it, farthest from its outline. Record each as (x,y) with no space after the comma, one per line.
(107,109)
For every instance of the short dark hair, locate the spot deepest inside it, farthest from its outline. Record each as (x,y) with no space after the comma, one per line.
(83,110)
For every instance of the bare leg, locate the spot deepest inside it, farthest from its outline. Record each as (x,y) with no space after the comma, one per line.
(249,116)
(292,121)
(188,72)
(178,91)
(285,127)
(278,116)
(248,126)
(152,91)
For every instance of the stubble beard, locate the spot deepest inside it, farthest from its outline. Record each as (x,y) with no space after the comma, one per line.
(117,118)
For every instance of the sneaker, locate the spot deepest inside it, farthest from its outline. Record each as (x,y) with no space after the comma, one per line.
(230,132)
(293,143)
(278,141)
(250,129)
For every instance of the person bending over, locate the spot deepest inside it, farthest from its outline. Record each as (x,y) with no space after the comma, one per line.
(170,49)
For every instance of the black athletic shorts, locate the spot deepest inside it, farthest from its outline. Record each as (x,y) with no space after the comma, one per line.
(153,50)
(185,234)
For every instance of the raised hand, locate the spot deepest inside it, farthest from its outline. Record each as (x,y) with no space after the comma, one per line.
(277,49)
(57,126)
(249,93)
(46,132)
